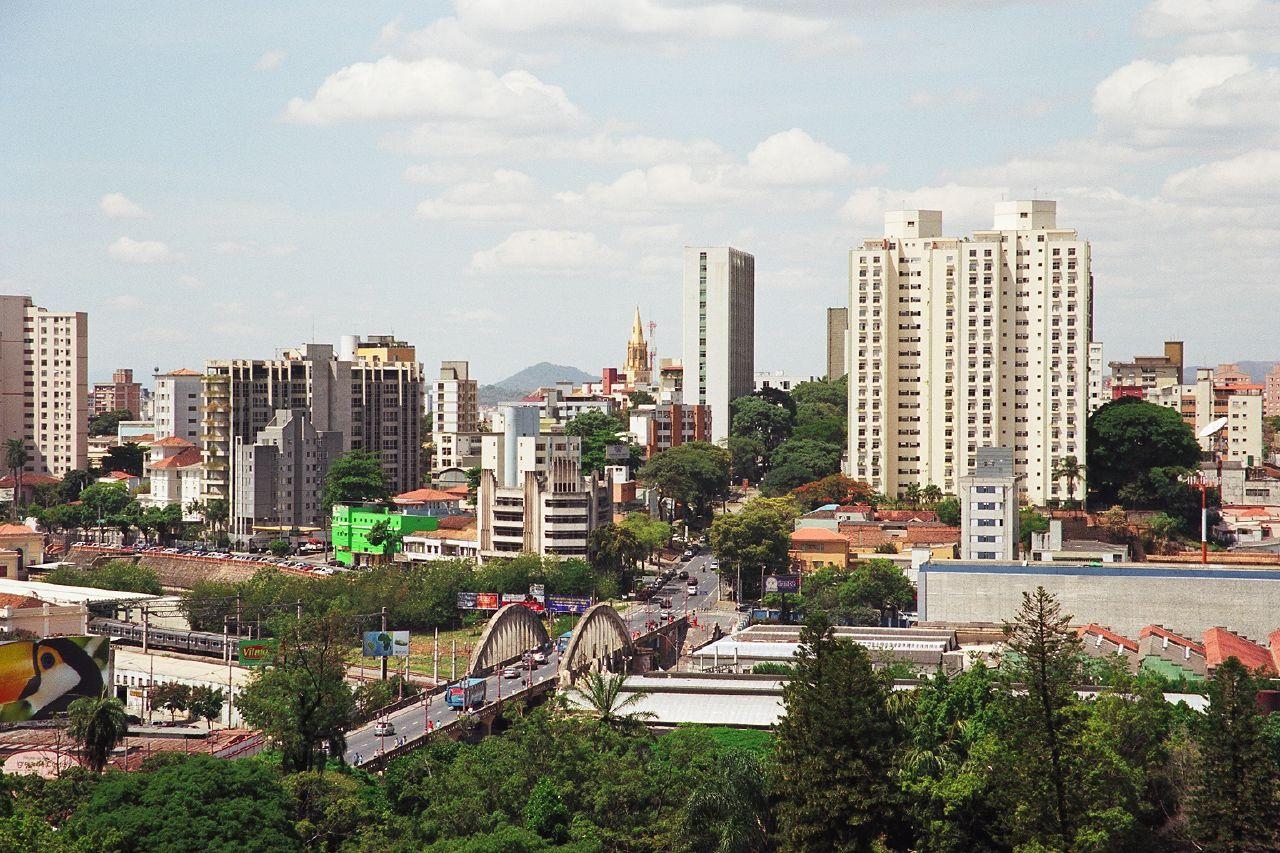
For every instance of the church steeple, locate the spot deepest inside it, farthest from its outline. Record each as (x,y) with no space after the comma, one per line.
(636,366)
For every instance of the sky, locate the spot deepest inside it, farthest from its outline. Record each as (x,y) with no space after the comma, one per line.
(503,181)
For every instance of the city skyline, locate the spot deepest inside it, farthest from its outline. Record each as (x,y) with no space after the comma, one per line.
(396,169)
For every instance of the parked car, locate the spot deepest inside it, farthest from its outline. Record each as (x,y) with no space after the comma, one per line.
(689,554)
(683,574)
(384,728)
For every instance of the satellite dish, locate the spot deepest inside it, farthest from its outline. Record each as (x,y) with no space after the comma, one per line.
(1211,428)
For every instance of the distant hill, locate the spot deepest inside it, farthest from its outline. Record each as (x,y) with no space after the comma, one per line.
(530,379)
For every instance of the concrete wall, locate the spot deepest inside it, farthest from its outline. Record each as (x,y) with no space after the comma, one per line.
(1122,597)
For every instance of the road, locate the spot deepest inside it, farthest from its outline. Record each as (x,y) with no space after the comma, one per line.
(703,604)
(411,722)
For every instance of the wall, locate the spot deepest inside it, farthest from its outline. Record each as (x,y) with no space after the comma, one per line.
(1124,597)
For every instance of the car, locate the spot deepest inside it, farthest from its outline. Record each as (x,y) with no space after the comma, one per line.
(644,594)
(539,657)
(664,602)
(511,672)
(683,575)
(713,565)
(689,554)
(691,589)
(384,728)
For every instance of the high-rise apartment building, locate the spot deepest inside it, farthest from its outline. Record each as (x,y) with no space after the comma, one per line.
(120,394)
(455,422)
(1099,382)
(957,344)
(719,330)
(176,401)
(989,507)
(280,474)
(370,392)
(44,391)
(837,342)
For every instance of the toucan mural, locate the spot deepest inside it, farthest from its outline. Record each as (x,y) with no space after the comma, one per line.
(39,678)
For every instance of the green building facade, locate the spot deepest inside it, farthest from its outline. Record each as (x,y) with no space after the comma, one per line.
(351,526)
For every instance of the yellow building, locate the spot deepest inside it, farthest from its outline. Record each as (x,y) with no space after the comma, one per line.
(814,548)
(20,547)
(636,366)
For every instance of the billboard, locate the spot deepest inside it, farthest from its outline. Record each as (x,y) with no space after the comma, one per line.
(386,644)
(487,601)
(39,678)
(466,601)
(568,603)
(782,583)
(255,652)
(520,598)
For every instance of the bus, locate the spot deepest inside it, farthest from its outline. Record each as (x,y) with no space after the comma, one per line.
(562,642)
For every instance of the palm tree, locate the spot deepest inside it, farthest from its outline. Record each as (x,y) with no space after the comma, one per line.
(1069,469)
(931,494)
(97,724)
(728,804)
(15,458)
(912,494)
(602,696)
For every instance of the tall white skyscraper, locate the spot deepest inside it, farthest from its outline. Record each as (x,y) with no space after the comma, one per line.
(961,343)
(44,390)
(719,330)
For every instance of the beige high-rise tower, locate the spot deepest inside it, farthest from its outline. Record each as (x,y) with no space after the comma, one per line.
(44,391)
(636,366)
(962,343)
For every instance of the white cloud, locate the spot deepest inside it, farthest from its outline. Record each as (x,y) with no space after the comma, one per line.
(438,173)
(964,207)
(1158,103)
(432,88)
(270,61)
(250,248)
(666,186)
(505,195)
(445,38)
(543,251)
(452,140)
(1215,26)
(794,157)
(1254,175)
(132,251)
(117,206)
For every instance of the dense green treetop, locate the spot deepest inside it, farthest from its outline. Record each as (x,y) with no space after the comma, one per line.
(356,477)
(1128,439)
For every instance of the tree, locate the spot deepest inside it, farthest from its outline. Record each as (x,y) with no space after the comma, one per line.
(108,423)
(613,550)
(836,750)
(545,812)
(190,802)
(640,398)
(302,700)
(753,541)
(879,583)
(692,476)
(381,534)
(731,807)
(1127,438)
(205,703)
(172,697)
(784,479)
(832,489)
(1043,658)
(746,454)
(104,500)
(757,418)
(1163,528)
(74,482)
(931,494)
(97,724)
(122,574)
(356,477)
(281,547)
(600,694)
(948,510)
(1069,468)
(598,430)
(128,457)
(824,392)
(1030,521)
(817,457)
(1234,800)
(15,459)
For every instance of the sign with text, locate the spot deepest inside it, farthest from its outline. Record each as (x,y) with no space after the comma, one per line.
(255,652)
(568,603)
(487,601)
(526,600)
(538,591)
(466,601)
(386,644)
(782,583)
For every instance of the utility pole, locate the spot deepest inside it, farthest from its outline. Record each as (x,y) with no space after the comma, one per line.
(435,651)
(299,609)
(453,662)
(146,627)
(384,630)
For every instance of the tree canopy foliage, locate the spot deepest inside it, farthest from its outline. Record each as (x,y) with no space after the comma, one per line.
(356,477)
(598,430)
(753,541)
(1136,452)
(691,475)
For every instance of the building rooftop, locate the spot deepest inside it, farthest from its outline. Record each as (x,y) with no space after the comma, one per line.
(1220,644)
(17,530)
(173,441)
(30,478)
(816,534)
(185,459)
(422,496)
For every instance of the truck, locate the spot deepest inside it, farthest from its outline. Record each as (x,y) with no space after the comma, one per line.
(562,642)
(467,693)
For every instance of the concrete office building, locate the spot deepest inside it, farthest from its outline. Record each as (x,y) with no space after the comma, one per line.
(662,426)
(957,344)
(44,369)
(120,394)
(370,393)
(989,507)
(719,330)
(1149,372)
(177,405)
(455,422)
(279,476)
(837,343)
(780,381)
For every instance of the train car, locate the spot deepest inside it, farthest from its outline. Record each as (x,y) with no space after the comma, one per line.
(188,642)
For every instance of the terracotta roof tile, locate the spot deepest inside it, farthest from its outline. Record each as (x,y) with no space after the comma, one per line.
(1220,644)
(121,475)
(1096,630)
(1176,639)
(9,599)
(864,537)
(29,478)
(424,496)
(816,534)
(182,371)
(1273,640)
(457,522)
(16,530)
(917,515)
(933,535)
(185,459)
(173,441)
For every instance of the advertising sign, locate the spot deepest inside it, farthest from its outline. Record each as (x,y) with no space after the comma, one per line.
(386,644)
(617,453)
(466,601)
(782,583)
(487,601)
(538,591)
(39,678)
(527,600)
(568,603)
(255,652)
(39,762)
